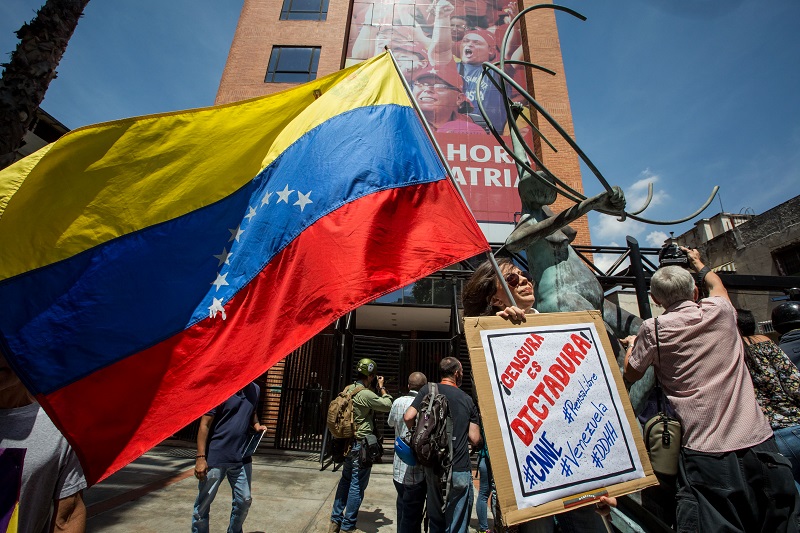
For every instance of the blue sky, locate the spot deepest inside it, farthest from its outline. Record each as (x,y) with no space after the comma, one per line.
(684,93)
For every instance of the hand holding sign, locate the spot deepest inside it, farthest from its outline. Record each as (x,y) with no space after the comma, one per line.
(555,410)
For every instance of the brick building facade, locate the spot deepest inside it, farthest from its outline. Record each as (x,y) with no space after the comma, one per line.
(260,30)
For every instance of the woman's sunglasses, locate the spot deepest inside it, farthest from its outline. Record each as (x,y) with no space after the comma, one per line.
(513,279)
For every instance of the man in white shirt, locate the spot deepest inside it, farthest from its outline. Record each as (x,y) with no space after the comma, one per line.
(49,481)
(408,480)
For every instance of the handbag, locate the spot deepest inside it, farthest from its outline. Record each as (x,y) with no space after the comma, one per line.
(662,433)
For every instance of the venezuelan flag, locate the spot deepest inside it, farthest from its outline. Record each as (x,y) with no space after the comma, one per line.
(153,266)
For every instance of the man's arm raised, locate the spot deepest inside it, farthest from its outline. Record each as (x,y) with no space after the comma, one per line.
(441,48)
(711,279)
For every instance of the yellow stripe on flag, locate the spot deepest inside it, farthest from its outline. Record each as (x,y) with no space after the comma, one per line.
(375,82)
(103,181)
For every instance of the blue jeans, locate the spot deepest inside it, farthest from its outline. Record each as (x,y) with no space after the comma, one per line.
(410,506)
(484,493)
(788,441)
(350,491)
(239,477)
(459,503)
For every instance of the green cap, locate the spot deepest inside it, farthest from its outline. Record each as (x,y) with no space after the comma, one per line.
(366,367)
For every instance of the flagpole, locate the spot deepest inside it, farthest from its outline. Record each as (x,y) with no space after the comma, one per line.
(447,168)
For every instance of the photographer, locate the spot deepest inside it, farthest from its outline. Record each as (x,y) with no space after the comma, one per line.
(356,471)
(731,476)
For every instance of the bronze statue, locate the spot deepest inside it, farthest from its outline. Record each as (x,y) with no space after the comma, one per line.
(563,282)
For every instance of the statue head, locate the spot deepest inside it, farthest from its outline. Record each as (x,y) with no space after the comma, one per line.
(533,192)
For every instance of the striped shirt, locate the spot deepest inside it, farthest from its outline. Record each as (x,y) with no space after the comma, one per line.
(401,472)
(703,373)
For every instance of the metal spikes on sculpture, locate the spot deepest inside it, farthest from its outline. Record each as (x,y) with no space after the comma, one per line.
(562,281)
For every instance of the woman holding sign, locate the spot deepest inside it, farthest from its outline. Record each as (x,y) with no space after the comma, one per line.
(484,296)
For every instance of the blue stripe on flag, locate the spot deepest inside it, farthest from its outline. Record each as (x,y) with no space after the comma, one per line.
(119,298)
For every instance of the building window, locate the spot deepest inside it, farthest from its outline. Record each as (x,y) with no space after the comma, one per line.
(292,64)
(788,260)
(304,10)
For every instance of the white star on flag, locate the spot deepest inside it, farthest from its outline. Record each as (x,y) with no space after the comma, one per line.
(220,281)
(216,307)
(303,200)
(283,196)
(235,233)
(224,257)
(250,214)
(265,200)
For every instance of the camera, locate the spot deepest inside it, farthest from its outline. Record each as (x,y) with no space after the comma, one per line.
(671,254)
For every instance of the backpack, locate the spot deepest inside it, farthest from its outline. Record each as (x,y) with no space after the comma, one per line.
(431,437)
(340,414)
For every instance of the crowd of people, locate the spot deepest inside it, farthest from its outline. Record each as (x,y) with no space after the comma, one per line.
(735,392)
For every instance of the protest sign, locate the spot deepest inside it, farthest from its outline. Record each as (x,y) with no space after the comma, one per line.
(558,422)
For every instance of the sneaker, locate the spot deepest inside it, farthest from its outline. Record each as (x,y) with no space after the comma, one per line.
(333,527)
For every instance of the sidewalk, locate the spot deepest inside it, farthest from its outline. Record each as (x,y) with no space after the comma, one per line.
(156,493)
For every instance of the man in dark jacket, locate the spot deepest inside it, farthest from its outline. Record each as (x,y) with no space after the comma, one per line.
(221,441)
(464,415)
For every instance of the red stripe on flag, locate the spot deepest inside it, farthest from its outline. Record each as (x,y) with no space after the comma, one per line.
(366,248)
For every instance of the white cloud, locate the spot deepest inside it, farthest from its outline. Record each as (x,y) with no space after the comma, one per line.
(604,261)
(656,238)
(608,229)
(636,194)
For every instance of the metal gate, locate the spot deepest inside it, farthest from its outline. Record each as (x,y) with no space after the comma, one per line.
(297,390)
(304,395)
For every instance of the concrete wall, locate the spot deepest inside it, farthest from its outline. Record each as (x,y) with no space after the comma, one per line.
(750,246)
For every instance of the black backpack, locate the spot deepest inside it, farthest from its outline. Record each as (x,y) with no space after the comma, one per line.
(431,437)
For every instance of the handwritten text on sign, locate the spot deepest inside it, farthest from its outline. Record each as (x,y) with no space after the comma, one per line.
(564,428)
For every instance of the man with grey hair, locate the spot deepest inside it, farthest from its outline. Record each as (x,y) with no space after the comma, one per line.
(731,476)
(409,481)
(453,515)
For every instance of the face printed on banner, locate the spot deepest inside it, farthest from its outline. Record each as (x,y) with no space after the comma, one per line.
(475,49)
(458,27)
(433,94)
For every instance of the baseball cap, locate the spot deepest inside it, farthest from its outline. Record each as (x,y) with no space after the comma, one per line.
(448,73)
(410,46)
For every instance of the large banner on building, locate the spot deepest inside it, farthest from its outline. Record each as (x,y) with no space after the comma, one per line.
(558,422)
(440,46)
